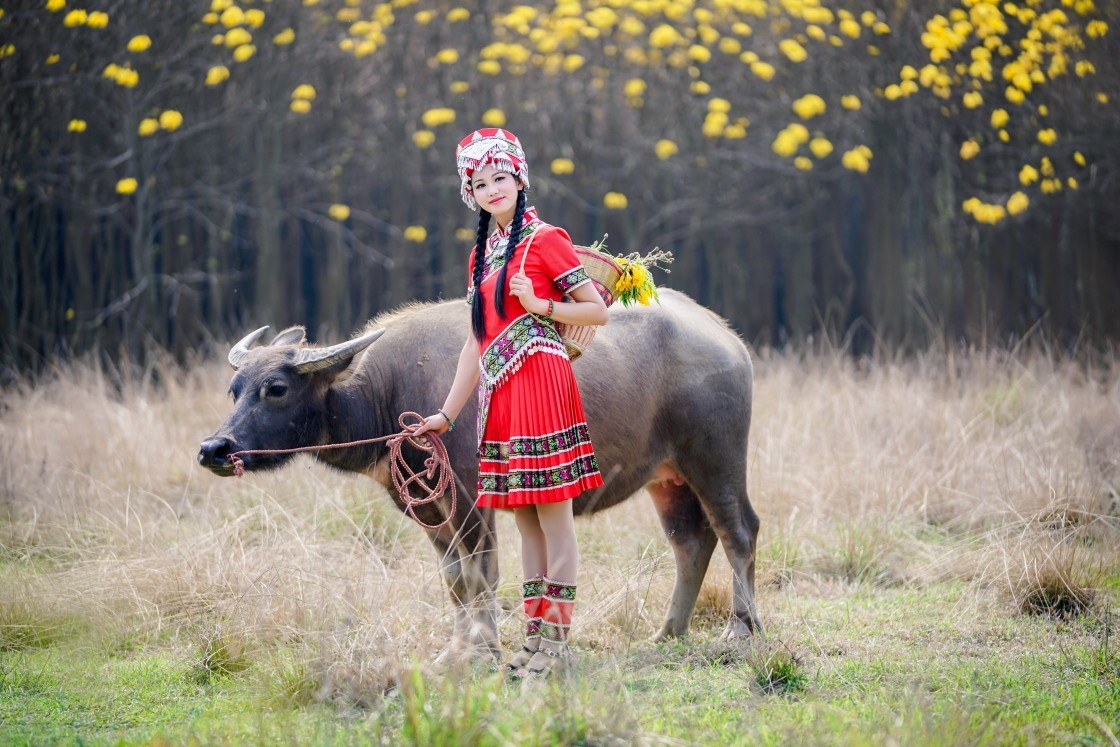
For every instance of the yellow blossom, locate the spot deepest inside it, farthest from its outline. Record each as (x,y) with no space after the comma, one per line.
(1017,203)
(803,163)
(97,20)
(210,19)
(699,53)
(820,147)
(1096,29)
(494,118)
(1072,182)
(809,106)
(1047,136)
(615,200)
(140,43)
(634,88)
(489,67)
(856,159)
(1028,175)
(304,91)
(1102,97)
(423,138)
(300,106)
(459,86)
(785,144)
(232,16)
(339,212)
(1004,136)
(285,37)
(148,126)
(700,87)
(438,116)
(719,105)
(664,36)
(1014,95)
(850,102)
(216,75)
(55,5)
(464,234)
(973,99)
(1000,118)
(170,120)
(762,70)
(236,37)
(560,166)
(665,149)
(416,234)
(792,50)
(969,149)
(52,59)
(572,63)
(1078,158)
(126,186)
(254,17)
(447,56)
(75,18)
(849,27)
(244,52)
(76,125)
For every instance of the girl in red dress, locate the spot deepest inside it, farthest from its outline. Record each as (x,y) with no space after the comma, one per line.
(535,453)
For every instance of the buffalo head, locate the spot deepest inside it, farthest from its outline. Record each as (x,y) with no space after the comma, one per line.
(279,394)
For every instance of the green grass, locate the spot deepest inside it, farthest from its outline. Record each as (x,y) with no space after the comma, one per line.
(937,566)
(873,665)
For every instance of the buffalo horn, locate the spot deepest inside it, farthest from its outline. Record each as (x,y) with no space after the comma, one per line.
(238,352)
(314,359)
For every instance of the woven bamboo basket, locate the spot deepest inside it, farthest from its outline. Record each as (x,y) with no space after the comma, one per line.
(604,273)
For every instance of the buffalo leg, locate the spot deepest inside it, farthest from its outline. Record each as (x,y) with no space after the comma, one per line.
(736,524)
(692,539)
(468,559)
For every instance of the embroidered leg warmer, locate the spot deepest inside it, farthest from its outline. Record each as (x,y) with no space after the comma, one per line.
(532,592)
(559,600)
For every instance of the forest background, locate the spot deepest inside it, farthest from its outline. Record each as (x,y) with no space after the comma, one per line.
(884,173)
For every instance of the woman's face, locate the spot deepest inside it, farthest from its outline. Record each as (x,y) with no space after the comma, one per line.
(496,192)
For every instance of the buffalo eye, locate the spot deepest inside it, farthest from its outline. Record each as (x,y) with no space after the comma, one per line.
(273,390)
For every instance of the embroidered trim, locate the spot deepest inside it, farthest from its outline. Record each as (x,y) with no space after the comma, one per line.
(542,479)
(528,446)
(572,279)
(561,592)
(507,351)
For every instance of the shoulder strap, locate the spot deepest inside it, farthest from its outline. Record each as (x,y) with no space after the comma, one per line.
(532,236)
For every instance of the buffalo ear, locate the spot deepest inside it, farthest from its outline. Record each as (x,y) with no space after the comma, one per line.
(291,336)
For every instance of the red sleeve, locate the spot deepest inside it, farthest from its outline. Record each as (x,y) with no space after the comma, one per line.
(559,261)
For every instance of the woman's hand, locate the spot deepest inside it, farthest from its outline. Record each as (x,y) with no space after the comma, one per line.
(521,286)
(437,423)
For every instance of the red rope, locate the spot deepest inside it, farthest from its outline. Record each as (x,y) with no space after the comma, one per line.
(437,466)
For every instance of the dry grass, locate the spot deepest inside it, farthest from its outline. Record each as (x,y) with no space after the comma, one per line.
(997,472)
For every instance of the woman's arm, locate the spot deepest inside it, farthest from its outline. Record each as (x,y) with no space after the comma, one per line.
(588,307)
(466,378)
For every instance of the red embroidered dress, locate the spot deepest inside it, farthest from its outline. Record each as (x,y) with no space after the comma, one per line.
(534,444)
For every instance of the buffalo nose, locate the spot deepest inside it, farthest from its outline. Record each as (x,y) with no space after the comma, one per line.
(213,452)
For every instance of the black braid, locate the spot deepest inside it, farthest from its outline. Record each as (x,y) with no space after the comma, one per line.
(478,316)
(511,244)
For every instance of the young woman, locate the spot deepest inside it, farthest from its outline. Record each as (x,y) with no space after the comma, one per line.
(535,453)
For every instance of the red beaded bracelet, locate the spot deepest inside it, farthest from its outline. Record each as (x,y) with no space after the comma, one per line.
(551,306)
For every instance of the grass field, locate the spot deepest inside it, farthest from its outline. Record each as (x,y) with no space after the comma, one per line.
(938,565)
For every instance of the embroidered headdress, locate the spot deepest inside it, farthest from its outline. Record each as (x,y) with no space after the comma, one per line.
(489,145)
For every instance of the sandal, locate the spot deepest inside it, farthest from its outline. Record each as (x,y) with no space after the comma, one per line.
(520,659)
(548,662)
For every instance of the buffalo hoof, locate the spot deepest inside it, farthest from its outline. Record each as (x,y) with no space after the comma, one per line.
(737,629)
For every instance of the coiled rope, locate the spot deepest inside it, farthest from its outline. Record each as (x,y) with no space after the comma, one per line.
(437,466)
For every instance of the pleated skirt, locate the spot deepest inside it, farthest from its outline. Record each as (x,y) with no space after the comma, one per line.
(536,447)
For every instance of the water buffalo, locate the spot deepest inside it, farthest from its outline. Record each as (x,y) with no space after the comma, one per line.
(667,391)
